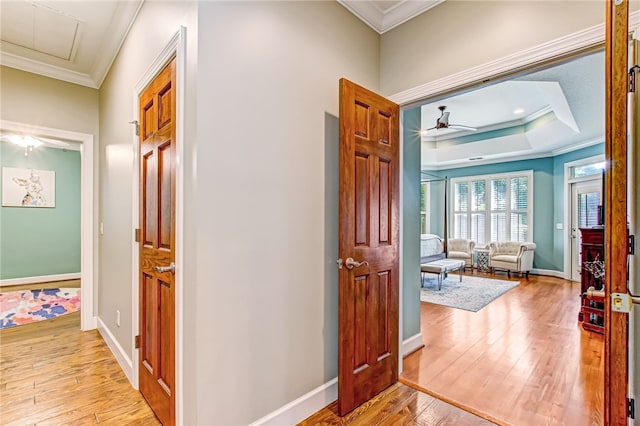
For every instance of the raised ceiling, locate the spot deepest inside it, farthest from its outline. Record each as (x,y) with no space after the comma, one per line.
(542,113)
(74,41)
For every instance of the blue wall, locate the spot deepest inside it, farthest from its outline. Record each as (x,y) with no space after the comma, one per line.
(548,199)
(411,223)
(42,241)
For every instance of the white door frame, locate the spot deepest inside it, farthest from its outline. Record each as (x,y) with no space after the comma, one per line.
(568,181)
(594,183)
(175,47)
(87,218)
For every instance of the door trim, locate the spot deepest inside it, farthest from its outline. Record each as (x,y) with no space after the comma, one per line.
(87,218)
(176,46)
(567,207)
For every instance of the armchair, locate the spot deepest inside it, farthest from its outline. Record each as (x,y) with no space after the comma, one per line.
(461,249)
(511,256)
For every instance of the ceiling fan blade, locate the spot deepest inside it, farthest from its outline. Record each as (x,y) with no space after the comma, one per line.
(462,127)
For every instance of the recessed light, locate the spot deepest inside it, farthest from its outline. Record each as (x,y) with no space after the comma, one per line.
(518,110)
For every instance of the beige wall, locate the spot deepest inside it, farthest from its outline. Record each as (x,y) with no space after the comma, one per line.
(260,311)
(43,101)
(458,35)
(154,27)
(267,103)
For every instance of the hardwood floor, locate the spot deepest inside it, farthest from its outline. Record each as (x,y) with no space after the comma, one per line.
(398,405)
(521,360)
(51,373)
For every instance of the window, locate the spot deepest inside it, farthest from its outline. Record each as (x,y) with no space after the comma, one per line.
(587,169)
(424,201)
(493,208)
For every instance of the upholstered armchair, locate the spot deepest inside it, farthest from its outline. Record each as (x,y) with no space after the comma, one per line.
(511,256)
(461,249)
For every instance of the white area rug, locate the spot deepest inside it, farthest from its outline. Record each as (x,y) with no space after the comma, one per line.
(472,294)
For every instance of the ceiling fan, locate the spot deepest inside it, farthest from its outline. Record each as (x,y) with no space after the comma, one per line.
(443,122)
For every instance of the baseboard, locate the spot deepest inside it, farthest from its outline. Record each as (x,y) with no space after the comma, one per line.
(40,279)
(121,356)
(318,398)
(412,344)
(549,272)
(298,410)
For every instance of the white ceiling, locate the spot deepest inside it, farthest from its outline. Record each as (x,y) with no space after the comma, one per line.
(74,41)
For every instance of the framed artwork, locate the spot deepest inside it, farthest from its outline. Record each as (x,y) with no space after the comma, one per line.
(28,187)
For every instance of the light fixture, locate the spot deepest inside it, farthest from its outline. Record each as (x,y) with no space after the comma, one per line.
(518,110)
(27,142)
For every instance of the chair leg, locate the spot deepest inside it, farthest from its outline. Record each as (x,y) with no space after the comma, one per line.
(439,281)
(508,273)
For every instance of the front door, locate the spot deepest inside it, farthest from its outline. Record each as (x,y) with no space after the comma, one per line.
(368,245)
(157,243)
(586,197)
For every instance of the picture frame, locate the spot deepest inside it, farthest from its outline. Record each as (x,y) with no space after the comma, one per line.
(22,187)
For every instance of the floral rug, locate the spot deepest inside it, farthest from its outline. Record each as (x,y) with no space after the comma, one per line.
(472,294)
(28,306)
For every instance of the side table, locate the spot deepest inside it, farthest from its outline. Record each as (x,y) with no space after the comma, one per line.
(482,259)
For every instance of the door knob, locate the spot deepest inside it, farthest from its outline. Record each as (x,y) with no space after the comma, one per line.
(350,263)
(171,268)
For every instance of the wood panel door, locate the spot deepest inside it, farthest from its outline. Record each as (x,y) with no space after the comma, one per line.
(157,244)
(616,341)
(368,245)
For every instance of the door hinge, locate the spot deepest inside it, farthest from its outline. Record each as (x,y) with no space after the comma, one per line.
(137,342)
(135,123)
(136,235)
(631,248)
(631,410)
(632,78)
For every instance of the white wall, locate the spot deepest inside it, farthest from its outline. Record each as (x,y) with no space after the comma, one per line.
(268,75)
(458,35)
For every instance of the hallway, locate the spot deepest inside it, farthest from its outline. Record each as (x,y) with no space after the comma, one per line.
(52,373)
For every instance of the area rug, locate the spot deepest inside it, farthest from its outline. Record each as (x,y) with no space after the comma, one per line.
(472,294)
(28,306)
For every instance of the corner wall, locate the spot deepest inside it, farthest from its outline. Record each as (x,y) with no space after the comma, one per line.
(266,283)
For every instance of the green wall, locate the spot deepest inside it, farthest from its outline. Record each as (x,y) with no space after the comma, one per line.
(410,223)
(42,241)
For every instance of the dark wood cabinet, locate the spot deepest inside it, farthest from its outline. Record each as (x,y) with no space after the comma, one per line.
(592,306)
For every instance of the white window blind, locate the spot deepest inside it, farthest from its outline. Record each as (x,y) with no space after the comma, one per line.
(493,208)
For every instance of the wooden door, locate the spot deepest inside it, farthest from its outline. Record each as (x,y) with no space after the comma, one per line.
(157,244)
(616,355)
(369,233)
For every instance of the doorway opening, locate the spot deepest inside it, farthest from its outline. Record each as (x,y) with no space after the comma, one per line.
(503,349)
(87,218)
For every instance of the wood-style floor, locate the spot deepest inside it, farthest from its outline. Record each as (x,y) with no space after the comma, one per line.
(398,405)
(521,360)
(51,373)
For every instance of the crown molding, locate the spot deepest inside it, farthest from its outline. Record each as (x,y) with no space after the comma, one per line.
(381,21)
(121,24)
(580,40)
(37,67)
